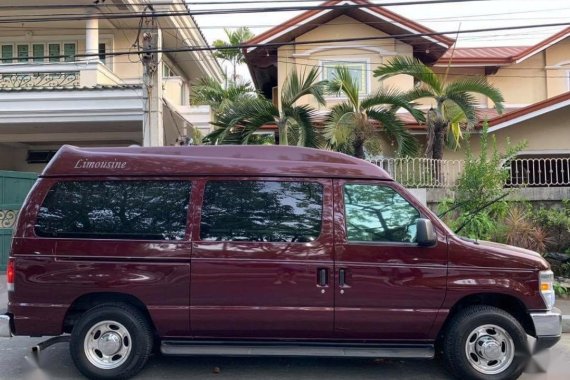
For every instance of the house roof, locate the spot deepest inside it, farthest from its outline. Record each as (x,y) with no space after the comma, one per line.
(262,57)
(536,109)
(223,160)
(497,56)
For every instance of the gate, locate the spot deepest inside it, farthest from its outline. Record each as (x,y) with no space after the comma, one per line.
(14,186)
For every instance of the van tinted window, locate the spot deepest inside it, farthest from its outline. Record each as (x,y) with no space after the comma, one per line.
(261,211)
(378,213)
(148,210)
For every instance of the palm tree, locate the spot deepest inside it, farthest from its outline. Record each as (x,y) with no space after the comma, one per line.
(238,123)
(228,49)
(452,99)
(355,120)
(210,92)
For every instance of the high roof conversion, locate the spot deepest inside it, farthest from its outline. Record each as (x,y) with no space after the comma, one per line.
(227,160)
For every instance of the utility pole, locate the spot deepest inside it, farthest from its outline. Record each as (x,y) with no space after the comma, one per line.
(153,129)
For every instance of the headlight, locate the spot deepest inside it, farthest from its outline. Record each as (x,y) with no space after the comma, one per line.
(546,283)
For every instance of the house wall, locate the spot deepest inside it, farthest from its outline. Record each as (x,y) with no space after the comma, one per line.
(546,133)
(523,83)
(558,68)
(373,52)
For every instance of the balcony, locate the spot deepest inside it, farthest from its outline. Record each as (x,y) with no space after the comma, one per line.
(41,76)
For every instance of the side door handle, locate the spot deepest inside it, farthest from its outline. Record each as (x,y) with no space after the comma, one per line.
(342,277)
(322,277)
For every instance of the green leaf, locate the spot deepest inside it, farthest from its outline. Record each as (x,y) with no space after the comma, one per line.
(413,67)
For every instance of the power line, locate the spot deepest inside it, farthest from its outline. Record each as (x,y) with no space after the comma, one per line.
(75,17)
(312,42)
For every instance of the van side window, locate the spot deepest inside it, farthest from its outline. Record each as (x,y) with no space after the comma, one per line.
(378,213)
(146,210)
(261,211)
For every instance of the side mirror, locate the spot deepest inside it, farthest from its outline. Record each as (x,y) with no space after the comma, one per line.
(425,234)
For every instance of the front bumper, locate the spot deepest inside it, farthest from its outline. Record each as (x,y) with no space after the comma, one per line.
(548,327)
(5,326)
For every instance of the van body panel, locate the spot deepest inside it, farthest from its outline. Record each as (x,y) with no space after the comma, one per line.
(246,289)
(392,291)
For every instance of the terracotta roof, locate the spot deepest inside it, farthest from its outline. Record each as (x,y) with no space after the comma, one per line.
(376,10)
(500,55)
(508,116)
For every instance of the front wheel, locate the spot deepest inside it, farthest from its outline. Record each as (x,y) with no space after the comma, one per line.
(111,342)
(485,342)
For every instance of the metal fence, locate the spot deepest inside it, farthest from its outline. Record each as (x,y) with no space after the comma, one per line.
(540,172)
(422,172)
(430,173)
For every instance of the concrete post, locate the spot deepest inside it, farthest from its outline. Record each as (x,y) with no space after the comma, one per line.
(92,37)
(153,128)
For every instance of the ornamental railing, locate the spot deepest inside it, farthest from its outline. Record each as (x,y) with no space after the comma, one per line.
(430,173)
(540,172)
(422,172)
(39,80)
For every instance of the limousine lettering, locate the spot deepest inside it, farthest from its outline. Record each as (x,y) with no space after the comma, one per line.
(86,164)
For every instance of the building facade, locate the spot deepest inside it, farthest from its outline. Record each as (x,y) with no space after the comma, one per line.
(80,80)
(534,80)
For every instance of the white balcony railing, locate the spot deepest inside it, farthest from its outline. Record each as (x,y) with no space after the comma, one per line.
(56,75)
(429,173)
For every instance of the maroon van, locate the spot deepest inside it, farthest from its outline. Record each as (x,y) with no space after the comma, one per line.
(276,251)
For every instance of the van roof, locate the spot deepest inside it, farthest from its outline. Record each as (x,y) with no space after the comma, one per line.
(225,160)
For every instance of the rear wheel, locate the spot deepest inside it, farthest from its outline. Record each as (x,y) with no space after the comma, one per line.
(484,342)
(111,342)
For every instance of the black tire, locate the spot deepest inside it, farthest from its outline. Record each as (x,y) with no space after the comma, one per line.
(460,330)
(138,341)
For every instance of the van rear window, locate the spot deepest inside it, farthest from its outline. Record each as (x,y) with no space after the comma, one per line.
(261,211)
(145,210)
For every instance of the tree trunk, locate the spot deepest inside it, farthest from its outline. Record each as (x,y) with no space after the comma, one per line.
(439,140)
(282,127)
(359,148)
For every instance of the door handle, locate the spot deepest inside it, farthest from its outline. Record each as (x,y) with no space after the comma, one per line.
(322,276)
(342,277)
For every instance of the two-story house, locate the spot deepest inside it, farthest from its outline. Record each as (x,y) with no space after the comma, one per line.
(534,80)
(65,77)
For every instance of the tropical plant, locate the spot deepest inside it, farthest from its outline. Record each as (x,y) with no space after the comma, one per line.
(237,124)
(210,92)
(454,100)
(357,120)
(517,228)
(230,51)
(480,196)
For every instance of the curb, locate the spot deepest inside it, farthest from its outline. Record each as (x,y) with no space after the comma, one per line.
(566,323)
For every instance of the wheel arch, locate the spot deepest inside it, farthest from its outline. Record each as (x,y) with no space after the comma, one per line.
(87,301)
(506,302)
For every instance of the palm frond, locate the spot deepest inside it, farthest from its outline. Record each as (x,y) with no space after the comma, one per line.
(476,85)
(301,119)
(246,118)
(307,83)
(392,99)
(395,129)
(413,67)
(340,124)
(467,103)
(345,84)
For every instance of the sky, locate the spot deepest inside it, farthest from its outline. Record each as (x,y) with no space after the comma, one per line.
(440,17)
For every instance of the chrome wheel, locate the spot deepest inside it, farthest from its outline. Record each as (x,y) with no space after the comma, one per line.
(490,349)
(107,344)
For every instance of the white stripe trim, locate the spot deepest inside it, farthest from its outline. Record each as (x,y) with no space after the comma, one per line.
(542,48)
(530,115)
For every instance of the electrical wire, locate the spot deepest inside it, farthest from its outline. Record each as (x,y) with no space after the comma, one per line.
(121,15)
